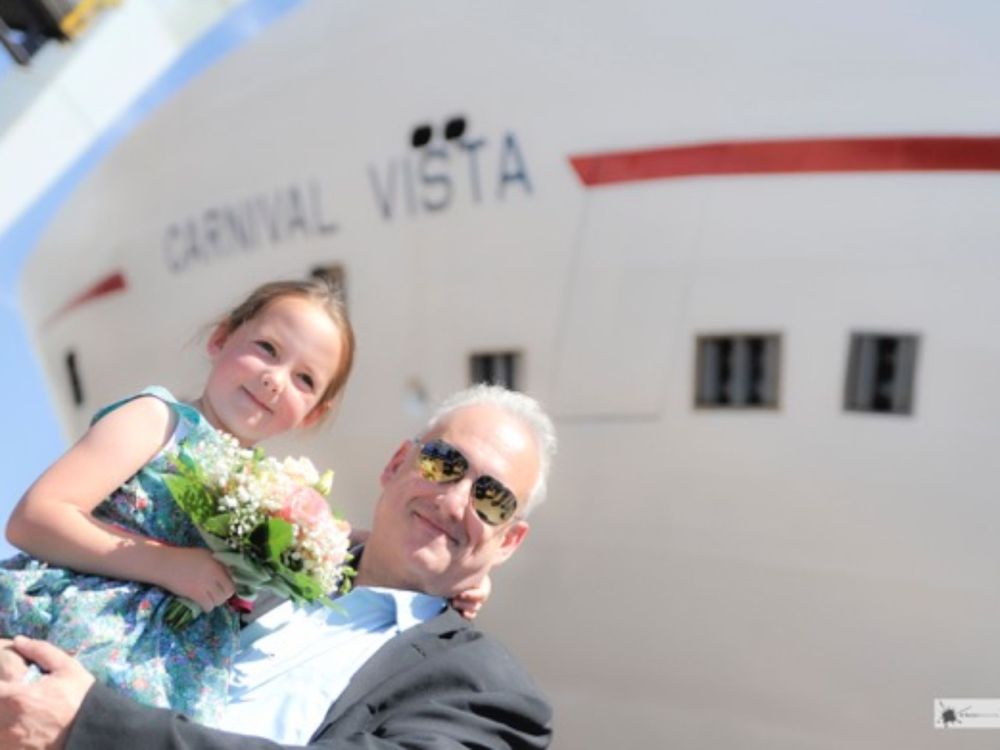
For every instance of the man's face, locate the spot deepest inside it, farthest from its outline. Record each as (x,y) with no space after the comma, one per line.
(427,536)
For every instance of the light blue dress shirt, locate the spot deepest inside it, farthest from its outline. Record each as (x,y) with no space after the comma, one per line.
(294,662)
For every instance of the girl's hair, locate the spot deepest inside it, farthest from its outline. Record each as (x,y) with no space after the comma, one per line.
(318,290)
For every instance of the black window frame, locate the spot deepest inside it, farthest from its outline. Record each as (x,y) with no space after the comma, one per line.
(738,371)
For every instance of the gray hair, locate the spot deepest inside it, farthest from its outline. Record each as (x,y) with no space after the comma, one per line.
(517,405)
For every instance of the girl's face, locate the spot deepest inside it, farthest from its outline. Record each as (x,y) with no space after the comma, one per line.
(269,374)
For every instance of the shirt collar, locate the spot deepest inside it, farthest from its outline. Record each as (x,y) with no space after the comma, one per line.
(410,607)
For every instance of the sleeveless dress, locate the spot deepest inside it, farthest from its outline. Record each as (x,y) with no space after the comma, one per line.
(116,628)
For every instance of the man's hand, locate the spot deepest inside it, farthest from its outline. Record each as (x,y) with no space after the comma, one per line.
(12,666)
(38,715)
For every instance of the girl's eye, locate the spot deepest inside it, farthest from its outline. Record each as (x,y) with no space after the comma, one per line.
(268,347)
(307,380)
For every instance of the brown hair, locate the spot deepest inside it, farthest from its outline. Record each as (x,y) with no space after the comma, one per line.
(318,290)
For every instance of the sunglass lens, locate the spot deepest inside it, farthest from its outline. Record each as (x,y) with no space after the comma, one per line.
(494,503)
(440,462)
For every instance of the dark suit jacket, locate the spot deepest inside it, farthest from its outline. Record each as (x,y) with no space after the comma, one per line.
(441,684)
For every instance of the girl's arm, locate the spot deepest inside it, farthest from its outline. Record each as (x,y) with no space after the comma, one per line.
(53,520)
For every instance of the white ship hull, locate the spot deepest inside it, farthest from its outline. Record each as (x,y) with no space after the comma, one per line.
(801,576)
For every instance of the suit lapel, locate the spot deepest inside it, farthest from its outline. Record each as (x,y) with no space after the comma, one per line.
(398,655)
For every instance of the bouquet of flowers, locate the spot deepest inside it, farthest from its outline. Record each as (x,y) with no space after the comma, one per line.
(267,521)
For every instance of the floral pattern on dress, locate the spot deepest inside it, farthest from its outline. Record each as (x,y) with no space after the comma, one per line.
(116,628)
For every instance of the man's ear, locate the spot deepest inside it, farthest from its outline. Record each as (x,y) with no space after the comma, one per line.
(397,460)
(218,339)
(512,539)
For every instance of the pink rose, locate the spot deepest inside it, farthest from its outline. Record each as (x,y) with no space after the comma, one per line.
(305,507)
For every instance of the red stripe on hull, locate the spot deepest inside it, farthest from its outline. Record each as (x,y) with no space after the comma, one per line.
(902,154)
(109,285)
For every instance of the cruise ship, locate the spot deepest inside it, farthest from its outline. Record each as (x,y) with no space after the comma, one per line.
(748,256)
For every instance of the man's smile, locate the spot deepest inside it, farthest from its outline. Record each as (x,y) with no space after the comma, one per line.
(427,520)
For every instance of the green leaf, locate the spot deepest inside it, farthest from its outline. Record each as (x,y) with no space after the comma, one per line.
(186,462)
(346,578)
(191,496)
(279,538)
(303,586)
(269,540)
(218,525)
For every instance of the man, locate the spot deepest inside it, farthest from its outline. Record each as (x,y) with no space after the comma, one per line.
(453,505)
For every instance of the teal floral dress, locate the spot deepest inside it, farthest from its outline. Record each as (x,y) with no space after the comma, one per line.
(116,628)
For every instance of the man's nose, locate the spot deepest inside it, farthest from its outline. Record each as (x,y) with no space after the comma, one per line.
(454,498)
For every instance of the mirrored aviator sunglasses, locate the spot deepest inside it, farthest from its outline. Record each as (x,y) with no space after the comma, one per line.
(442,463)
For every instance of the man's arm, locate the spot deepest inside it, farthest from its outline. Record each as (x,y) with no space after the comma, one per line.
(440,705)
(45,714)
(461,692)
(109,721)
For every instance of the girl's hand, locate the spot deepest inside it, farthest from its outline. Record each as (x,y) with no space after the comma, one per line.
(470,601)
(193,573)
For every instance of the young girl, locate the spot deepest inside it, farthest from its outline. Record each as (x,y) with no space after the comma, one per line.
(117,547)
